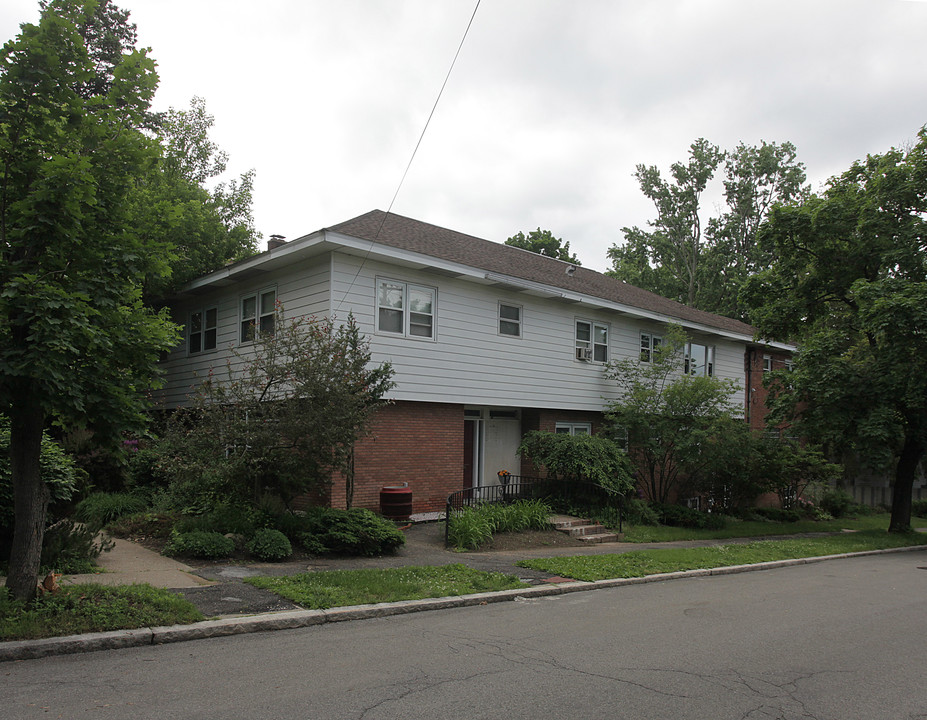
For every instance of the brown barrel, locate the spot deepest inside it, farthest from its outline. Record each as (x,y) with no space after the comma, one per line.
(396,502)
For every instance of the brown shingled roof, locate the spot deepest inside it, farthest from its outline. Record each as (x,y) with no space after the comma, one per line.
(415,236)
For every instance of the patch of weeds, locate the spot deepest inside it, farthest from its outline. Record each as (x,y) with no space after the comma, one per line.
(77,609)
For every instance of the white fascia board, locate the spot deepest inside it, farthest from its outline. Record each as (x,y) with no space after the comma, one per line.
(281,256)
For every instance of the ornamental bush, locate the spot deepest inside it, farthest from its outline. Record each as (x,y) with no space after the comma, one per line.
(342,532)
(270,545)
(101,508)
(200,544)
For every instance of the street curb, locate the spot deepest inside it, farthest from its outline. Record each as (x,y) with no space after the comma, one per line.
(222,627)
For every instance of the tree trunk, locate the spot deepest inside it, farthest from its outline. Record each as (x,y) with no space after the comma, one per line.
(905,473)
(30,495)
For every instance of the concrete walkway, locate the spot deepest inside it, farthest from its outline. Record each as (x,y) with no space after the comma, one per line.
(128,563)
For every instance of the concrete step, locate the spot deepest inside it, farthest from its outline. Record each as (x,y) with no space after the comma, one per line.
(583,529)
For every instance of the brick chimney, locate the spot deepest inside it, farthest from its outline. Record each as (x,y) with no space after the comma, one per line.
(275,241)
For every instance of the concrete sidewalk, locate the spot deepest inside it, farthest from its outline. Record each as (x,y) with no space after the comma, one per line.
(129,563)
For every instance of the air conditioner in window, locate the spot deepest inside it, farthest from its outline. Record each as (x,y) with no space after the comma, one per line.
(583,353)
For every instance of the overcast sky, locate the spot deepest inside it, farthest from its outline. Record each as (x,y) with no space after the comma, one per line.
(549,109)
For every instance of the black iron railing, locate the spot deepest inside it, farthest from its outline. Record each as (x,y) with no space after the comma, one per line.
(511,488)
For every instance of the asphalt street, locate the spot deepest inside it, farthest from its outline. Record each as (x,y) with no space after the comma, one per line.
(836,640)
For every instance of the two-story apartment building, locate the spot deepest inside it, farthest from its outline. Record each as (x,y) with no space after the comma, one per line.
(488,341)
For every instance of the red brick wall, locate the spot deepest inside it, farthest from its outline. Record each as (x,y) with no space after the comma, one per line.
(417,443)
(757,394)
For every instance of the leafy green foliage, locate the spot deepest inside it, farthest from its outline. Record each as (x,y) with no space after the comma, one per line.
(637,512)
(142,525)
(474,526)
(544,243)
(270,545)
(704,265)
(919,508)
(223,518)
(589,458)
(680,516)
(650,562)
(200,544)
(206,224)
(342,532)
(286,414)
(99,509)
(77,345)
(68,547)
(849,285)
(77,609)
(839,503)
(58,472)
(667,416)
(337,588)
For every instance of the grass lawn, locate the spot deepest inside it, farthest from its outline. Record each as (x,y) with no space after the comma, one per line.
(640,563)
(741,529)
(338,588)
(77,609)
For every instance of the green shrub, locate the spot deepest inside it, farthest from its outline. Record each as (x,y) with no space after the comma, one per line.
(680,516)
(837,502)
(146,524)
(919,508)
(639,512)
(469,529)
(71,548)
(99,509)
(223,518)
(270,545)
(59,472)
(200,544)
(343,532)
(774,514)
(474,526)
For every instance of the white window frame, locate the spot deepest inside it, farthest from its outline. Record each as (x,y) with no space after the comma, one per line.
(259,320)
(649,344)
(767,363)
(566,428)
(409,315)
(207,335)
(512,323)
(590,350)
(573,428)
(709,360)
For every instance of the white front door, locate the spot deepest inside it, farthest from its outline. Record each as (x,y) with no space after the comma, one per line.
(502,436)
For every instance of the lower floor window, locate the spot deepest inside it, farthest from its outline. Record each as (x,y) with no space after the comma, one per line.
(577,428)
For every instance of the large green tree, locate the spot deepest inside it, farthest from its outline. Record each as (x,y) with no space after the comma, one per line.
(544,243)
(668,259)
(849,285)
(77,345)
(704,262)
(205,224)
(666,415)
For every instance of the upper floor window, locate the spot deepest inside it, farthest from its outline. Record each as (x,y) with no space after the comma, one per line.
(767,363)
(577,428)
(649,345)
(699,360)
(405,309)
(257,314)
(509,320)
(591,341)
(202,330)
